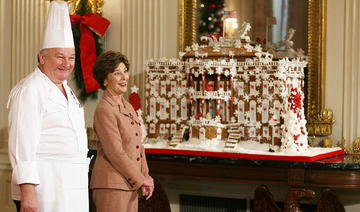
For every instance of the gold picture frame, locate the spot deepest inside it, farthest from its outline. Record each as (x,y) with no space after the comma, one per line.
(319,119)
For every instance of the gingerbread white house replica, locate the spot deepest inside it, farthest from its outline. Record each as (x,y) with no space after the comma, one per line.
(230,91)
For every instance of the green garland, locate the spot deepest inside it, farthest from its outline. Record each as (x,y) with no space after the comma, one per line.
(78,76)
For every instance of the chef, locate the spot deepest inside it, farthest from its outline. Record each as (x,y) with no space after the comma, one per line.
(47,137)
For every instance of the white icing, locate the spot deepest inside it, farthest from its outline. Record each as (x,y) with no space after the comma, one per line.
(259,85)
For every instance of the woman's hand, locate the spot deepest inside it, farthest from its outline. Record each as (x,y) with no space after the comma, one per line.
(148,181)
(28,198)
(147,191)
(148,187)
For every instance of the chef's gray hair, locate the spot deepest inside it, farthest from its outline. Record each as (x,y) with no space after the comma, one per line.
(42,52)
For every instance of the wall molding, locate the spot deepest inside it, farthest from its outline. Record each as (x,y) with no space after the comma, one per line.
(27,29)
(22,26)
(139,30)
(351,93)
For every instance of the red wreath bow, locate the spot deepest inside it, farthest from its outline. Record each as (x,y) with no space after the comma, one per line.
(89,23)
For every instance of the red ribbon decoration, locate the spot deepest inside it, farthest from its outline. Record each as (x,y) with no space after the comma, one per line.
(134,100)
(89,23)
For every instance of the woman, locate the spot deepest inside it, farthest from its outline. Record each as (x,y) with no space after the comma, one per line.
(120,168)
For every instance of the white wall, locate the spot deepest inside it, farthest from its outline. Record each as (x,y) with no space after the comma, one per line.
(6,203)
(351,92)
(140,29)
(5,36)
(342,68)
(335,63)
(21,33)
(148,29)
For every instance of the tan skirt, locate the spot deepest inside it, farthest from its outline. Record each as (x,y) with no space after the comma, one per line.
(108,200)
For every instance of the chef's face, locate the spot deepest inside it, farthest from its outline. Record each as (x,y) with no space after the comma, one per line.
(57,63)
(117,81)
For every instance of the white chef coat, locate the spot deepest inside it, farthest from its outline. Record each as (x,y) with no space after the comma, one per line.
(48,144)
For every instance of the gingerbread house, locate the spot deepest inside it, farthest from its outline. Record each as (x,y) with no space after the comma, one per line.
(232,92)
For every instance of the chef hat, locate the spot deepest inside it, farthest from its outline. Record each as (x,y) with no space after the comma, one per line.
(58,33)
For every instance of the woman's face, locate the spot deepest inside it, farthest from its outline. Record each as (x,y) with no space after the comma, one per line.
(117,81)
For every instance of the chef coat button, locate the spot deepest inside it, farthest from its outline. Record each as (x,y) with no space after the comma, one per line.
(132,123)
(141,155)
(137,159)
(137,146)
(136,134)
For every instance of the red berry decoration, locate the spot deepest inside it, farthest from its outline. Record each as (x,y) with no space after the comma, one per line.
(134,100)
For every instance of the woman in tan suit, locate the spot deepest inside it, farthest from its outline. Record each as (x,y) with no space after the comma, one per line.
(120,169)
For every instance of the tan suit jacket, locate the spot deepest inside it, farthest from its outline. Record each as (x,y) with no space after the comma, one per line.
(120,162)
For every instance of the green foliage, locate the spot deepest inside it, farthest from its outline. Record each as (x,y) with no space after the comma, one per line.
(78,77)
